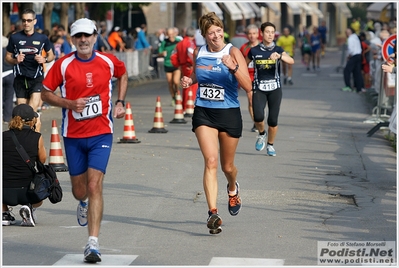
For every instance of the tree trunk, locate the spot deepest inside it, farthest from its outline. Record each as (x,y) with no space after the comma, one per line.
(64,15)
(47,11)
(23,6)
(79,10)
(6,18)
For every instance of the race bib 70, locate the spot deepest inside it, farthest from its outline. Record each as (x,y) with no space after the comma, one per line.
(93,109)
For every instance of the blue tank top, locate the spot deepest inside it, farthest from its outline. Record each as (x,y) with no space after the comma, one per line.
(217,87)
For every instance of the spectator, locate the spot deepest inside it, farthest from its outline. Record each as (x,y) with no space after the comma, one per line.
(142,42)
(366,48)
(16,173)
(103,45)
(130,40)
(57,41)
(115,39)
(66,46)
(354,62)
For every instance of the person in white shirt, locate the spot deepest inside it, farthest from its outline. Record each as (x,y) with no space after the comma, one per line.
(354,62)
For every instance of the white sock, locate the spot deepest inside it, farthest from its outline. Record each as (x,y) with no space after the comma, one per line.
(233,192)
(95,238)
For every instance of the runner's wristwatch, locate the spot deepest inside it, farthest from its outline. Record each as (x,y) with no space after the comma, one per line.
(121,101)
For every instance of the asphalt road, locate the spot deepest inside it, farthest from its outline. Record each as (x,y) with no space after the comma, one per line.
(328,182)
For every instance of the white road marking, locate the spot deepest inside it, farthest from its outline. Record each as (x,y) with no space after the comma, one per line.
(221,261)
(106,260)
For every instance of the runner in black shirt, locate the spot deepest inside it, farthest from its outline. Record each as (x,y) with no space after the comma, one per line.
(25,52)
(267,85)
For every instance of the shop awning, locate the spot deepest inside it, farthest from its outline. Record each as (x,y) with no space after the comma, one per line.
(246,10)
(295,8)
(233,10)
(317,11)
(376,11)
(378,7)
(274,7)
(256,9)
(212,7)
(343,7)
(308,9)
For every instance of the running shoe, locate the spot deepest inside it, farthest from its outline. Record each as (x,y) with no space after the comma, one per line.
(290,82)
(285,81)
(260,142)
(92,253)
(346,89)
(254,129)
(82,213)
(270,150)
(234,201)
(8,219)
(27,218)
(214,222)
(34,214)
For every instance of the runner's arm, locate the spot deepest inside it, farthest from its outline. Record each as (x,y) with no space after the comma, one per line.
(242,74)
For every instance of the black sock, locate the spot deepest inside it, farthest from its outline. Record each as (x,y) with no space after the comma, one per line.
(270,143)
(262,133)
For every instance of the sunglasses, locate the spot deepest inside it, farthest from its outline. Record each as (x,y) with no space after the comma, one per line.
(28,20)
(79,35)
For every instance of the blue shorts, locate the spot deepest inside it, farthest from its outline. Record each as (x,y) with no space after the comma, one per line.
(84,153)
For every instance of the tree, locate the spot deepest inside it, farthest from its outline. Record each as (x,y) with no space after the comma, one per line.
(6,18)
(98,11)
(64,15)
(47,10)
(80,10)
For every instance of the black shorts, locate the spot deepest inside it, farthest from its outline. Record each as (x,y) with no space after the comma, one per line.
(24,86)
(224,120)
(15,196)
(170,69)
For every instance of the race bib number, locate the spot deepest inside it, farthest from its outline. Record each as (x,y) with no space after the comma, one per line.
(93,109)
(268,85)
(211,93)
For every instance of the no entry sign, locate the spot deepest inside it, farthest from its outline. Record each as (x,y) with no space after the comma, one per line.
(388,47)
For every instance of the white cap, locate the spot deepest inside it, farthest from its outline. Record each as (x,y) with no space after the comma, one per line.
(83,26)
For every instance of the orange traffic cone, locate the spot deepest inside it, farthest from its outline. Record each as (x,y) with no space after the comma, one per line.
(158,119)
(189,104)
(129,135)
(56,159)
(179,117)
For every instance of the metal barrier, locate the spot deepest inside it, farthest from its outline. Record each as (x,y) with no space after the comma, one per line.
(384,85)
(343,58)
(137,64)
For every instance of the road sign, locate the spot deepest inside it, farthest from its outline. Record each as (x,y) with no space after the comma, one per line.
(388,47)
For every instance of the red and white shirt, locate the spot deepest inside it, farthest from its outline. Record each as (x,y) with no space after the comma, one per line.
(92,78)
